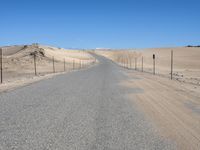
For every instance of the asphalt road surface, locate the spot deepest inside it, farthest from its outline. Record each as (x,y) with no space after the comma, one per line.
(81,110)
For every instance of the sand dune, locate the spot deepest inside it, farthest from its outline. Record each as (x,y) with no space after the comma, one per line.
(47,51)
(18,61)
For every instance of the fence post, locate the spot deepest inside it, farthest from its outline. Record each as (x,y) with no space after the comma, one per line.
(53,65)
(172,61)
(35,63)
(126,62)
(122,62)
(142,63)
(1,55)
(154,64)
(135,63)
(73,65)
(64,64)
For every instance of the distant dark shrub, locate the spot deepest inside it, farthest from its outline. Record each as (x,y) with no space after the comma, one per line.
(189,46)
(25,46)
(193,46)
(33,53)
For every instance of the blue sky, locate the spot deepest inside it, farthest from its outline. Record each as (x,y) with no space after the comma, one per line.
(100,23)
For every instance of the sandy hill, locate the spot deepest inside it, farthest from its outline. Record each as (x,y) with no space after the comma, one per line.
(23,51)
(18,61)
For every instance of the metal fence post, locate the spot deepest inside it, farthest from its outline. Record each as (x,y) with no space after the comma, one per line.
(154,64)
(172,61)
(1,57)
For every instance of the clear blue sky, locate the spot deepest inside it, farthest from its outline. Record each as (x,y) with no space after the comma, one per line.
(100,23)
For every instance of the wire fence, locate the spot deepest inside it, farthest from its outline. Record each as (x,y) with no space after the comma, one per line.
(19,68)
(172,66)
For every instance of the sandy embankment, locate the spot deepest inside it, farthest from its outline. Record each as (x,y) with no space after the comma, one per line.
(18,63)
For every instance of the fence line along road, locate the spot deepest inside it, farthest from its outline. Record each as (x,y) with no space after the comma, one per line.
(8,64)
(126,62)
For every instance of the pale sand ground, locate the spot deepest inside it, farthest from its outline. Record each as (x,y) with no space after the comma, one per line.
(18,63)
(186,61)
(173,105)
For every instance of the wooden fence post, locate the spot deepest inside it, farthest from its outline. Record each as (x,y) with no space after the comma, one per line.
(53,65)
(35,64)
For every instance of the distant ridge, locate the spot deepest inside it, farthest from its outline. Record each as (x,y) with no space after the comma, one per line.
(193,46)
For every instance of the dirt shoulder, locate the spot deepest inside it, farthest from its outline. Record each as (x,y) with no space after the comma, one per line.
(172,106)
(8,86)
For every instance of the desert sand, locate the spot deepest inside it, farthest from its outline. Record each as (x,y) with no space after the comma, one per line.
(186,63)
(186,66)
(18,62)
(172,105)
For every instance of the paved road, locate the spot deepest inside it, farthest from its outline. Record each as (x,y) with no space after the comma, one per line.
(82,110)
